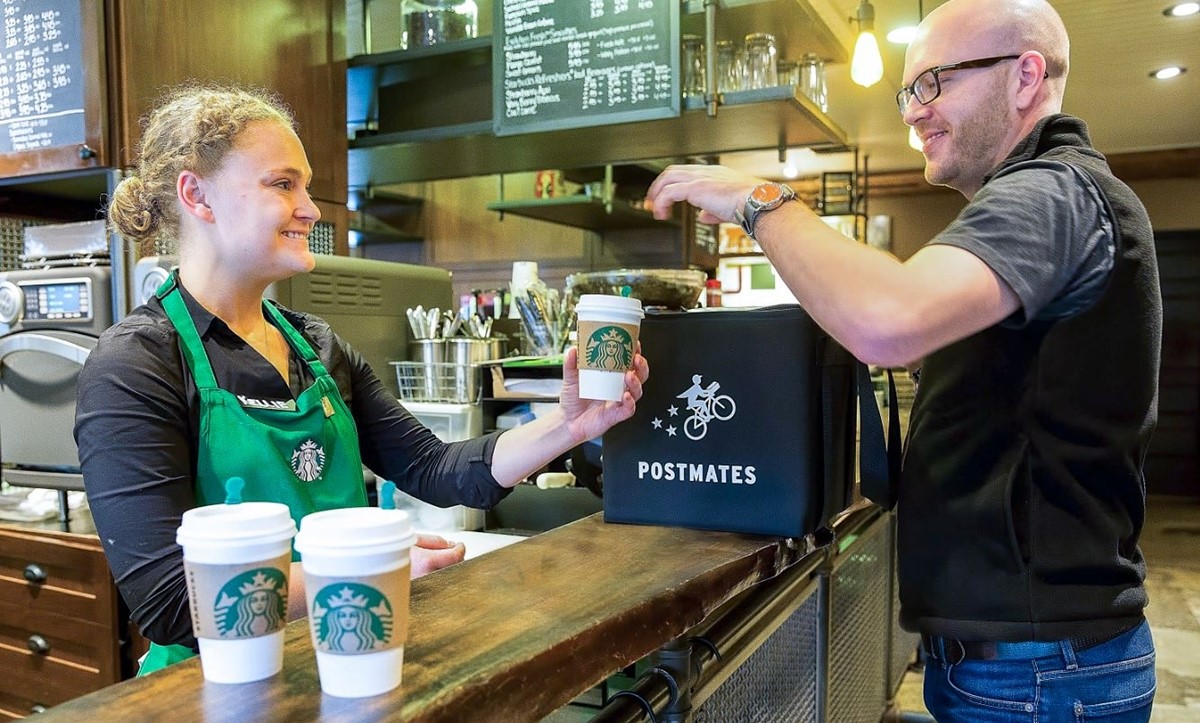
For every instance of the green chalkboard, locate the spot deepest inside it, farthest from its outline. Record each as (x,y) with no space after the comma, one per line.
(573,63)
(41,75)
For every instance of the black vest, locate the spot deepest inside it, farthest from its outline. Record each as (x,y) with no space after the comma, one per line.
(1022,495)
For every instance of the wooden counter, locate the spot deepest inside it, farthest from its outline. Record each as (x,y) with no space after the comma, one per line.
(509,636)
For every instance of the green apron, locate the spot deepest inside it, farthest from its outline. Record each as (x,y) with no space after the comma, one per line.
(305,456)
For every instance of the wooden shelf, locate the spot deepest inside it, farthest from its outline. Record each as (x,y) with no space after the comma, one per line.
(581,212)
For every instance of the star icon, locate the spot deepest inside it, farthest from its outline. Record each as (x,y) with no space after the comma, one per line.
(656,423)
(671,431)
(673,410)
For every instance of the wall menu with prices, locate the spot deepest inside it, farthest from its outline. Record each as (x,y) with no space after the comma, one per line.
(561,64)
(41,71)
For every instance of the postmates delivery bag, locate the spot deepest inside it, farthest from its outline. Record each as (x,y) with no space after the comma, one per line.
(747,424)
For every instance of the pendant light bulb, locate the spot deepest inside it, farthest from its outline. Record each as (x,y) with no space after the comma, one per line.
(866,67)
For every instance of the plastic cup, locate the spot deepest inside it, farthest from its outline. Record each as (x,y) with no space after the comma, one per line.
(356,580)
(607,329)
(237,559)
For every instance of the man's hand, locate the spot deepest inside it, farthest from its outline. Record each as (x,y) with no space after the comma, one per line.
(717,191)
(431,553)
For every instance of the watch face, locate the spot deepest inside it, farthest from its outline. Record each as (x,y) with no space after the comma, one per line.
(766,193)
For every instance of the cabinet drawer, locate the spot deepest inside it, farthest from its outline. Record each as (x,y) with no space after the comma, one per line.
(70,573)
(49,681)
(18,705)
(43,634)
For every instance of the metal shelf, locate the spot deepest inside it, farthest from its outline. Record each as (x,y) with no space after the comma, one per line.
(427,115)
(581,212)
(749,120)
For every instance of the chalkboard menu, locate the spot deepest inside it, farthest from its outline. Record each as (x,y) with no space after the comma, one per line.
(572,63)
(41,71)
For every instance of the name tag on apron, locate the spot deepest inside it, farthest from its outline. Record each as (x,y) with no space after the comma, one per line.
(283,405)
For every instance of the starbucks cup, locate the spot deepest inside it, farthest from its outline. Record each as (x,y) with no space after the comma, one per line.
(608,329)
(237,559)
(356,581)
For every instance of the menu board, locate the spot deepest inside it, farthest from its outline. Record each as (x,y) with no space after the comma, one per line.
(41,71)
(572,63)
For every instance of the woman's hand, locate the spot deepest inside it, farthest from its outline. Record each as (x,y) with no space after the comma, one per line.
(587,418)
(431,553)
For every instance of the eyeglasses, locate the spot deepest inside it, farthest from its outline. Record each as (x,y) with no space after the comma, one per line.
(928,86)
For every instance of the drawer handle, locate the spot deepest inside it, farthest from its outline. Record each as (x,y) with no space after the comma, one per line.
(34,573)
(37,644)
(38,708)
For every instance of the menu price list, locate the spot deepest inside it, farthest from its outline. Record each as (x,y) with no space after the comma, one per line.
(574,63)
(41,96)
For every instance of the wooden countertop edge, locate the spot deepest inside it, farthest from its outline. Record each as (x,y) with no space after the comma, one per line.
(540,637)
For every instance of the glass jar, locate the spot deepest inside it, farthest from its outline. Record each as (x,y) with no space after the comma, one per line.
(761,58)
(428,22)
(692,61)
(812,80)
(729,67)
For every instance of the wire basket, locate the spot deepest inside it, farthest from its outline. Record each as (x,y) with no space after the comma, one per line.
(438,382)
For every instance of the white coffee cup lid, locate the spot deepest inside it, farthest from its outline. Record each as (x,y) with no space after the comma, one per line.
(599,303)
(354,530)
(236,524)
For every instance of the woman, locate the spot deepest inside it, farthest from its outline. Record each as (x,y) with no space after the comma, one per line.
(207,381)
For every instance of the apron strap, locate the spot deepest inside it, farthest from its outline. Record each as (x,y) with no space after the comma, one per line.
(297,342)
(189,338)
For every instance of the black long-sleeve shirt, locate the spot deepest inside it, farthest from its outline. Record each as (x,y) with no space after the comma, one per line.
(137,429)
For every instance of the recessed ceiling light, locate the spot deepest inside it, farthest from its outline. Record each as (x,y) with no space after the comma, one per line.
(1180,10)
(902,36)
(1168,72)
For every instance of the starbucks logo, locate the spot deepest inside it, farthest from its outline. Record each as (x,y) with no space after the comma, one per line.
(351,618)
(609,347)
(308,461)
(252,604)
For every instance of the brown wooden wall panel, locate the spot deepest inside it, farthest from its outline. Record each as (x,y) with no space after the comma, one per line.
(293,47)
(1174,458)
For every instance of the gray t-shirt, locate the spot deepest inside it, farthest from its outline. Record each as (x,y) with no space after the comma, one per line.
(1044,228)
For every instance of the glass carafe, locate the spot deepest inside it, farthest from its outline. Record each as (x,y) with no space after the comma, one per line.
(761,58)
(812,80)
(693,62)
(428,22)
(729,67)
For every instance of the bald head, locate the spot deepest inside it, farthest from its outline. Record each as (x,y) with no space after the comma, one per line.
(962,29)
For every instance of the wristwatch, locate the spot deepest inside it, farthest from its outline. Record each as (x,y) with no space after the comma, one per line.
(765,197)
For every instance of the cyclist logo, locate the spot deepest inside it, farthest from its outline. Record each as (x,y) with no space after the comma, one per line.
(351,618)
(609,348)
(252,604)
(705,405)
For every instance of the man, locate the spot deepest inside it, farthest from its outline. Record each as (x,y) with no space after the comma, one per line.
(1035,318)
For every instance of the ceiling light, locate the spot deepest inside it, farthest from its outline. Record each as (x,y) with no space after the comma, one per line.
(914,140)
(1180,10)
(866,67)
(790,170)
(902,36)
(1168,72)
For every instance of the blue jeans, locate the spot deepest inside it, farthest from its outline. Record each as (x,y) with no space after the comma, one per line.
(1111,682)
